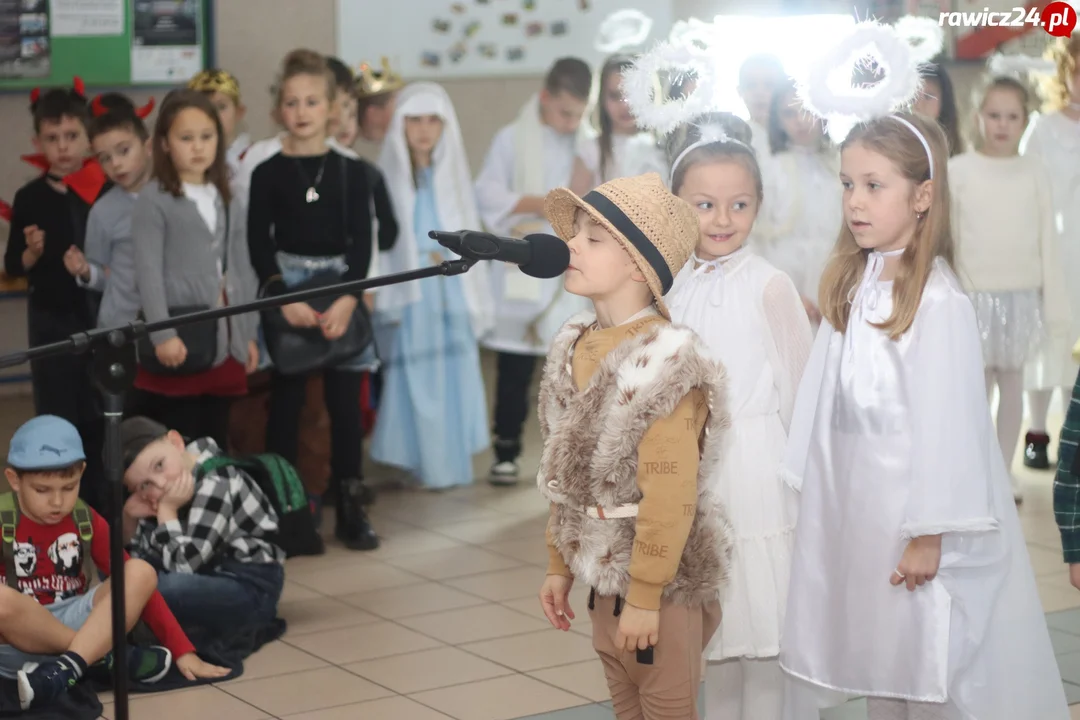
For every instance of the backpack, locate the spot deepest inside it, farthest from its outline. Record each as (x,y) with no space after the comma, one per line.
(281,484)
(9,522)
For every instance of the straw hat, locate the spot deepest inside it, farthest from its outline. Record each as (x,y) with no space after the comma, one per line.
(659,230)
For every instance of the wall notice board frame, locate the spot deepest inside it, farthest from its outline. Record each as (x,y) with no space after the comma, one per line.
(106,60)
(481,38)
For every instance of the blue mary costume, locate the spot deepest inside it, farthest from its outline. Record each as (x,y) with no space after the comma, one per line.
(432,411)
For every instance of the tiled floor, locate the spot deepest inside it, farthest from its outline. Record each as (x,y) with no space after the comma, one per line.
(442,621)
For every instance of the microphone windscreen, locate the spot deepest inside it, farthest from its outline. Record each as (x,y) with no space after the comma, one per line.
(550,256)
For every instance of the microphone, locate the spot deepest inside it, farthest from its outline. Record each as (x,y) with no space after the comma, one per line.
(539,255)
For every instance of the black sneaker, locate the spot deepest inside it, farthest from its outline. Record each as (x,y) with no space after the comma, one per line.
(42,684)
(503,474)
(1035,452)
(145,665)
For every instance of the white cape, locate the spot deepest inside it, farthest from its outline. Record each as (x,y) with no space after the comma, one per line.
(454,197)
(893,440)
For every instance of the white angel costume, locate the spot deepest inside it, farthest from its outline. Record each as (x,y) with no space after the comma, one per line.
(801,215)
(235,152)
(892,440)
(526,157)
(433,411)
(753,322)
(1054,140)
(631,155)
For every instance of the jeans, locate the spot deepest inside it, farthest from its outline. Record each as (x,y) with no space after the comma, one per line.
(231,597)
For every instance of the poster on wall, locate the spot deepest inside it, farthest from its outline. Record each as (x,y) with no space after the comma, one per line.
(166,40)
(74,18)
(481,38)
(24,39)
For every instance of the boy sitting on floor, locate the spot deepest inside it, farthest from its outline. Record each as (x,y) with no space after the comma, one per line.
(206,526)
(53,625)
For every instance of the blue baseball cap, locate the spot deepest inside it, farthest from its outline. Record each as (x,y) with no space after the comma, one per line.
(46,442)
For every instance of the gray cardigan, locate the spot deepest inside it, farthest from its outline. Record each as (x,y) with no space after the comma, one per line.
(176,265)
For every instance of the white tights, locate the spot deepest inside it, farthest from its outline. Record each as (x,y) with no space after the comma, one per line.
(890,709)
(1010,414)
(1040,406)
(744,689)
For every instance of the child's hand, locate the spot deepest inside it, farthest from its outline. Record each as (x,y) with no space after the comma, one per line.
(193,667)
(252,363)
(177,494)
(638,629)
(35,240)
(555,600)
(300,315)
(920,562)
(171,353)
(76,264)
(369,302)
(139,507)
(1074,575)
(335,321)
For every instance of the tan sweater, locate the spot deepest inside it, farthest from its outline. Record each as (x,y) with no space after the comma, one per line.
(668,459)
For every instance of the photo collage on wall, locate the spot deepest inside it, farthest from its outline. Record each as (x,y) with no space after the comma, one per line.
(464,21)
(24,39)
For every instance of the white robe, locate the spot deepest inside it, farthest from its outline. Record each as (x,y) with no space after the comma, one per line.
(519,299)
(631,155)
(892,440)
(235,152)
(1054,140)
(751,319)
(801,216)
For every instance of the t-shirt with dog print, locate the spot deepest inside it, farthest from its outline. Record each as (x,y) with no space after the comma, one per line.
(49,566)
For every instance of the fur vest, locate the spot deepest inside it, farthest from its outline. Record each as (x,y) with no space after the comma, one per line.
(590,454)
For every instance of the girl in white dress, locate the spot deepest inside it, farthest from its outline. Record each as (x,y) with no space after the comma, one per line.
(803,208)
(1054,140)
(752,320)
(620,148)
(1007,253)
(911,583)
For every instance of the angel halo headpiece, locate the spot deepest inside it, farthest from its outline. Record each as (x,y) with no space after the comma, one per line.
(1019,65)
(371,81)
(828,92)
(685,54)
(623,30)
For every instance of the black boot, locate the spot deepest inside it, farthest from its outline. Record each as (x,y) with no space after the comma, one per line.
(1035,455)
(353,527)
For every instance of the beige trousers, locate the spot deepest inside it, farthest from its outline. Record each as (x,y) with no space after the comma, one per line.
(667,689)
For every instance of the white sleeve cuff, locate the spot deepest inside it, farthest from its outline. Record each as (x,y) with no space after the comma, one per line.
(910,530)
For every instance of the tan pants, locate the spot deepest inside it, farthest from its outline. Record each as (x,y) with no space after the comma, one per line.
(667,689)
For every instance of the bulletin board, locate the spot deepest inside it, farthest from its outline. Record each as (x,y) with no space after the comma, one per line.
(107,43)
(434,39)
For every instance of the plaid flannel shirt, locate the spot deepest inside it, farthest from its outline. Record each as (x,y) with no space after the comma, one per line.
(229,517)
(1067,482)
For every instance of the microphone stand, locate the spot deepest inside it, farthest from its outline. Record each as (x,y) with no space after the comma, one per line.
(113,368)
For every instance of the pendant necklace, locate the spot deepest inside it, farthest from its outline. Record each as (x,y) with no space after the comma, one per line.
(312,194)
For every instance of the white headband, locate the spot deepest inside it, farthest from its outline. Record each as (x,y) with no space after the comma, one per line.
(922,139)
(711,134)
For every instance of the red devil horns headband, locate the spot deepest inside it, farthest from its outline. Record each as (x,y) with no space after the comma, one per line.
(78,86)
(98,108)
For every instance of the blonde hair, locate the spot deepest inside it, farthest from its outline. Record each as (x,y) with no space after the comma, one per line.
(933,235)
(739,151)
(1055,88)
(304,62)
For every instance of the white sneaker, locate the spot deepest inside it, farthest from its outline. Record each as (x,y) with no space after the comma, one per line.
(503,474)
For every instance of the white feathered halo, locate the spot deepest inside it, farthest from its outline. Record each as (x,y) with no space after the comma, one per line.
(644,90)
(828,91)
(623,30)
(925,36)
(1019,65)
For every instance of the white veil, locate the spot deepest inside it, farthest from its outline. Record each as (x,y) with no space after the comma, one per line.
(454,197)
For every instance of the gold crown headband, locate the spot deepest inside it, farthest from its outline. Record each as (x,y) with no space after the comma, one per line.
(212,81)
(371,81)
